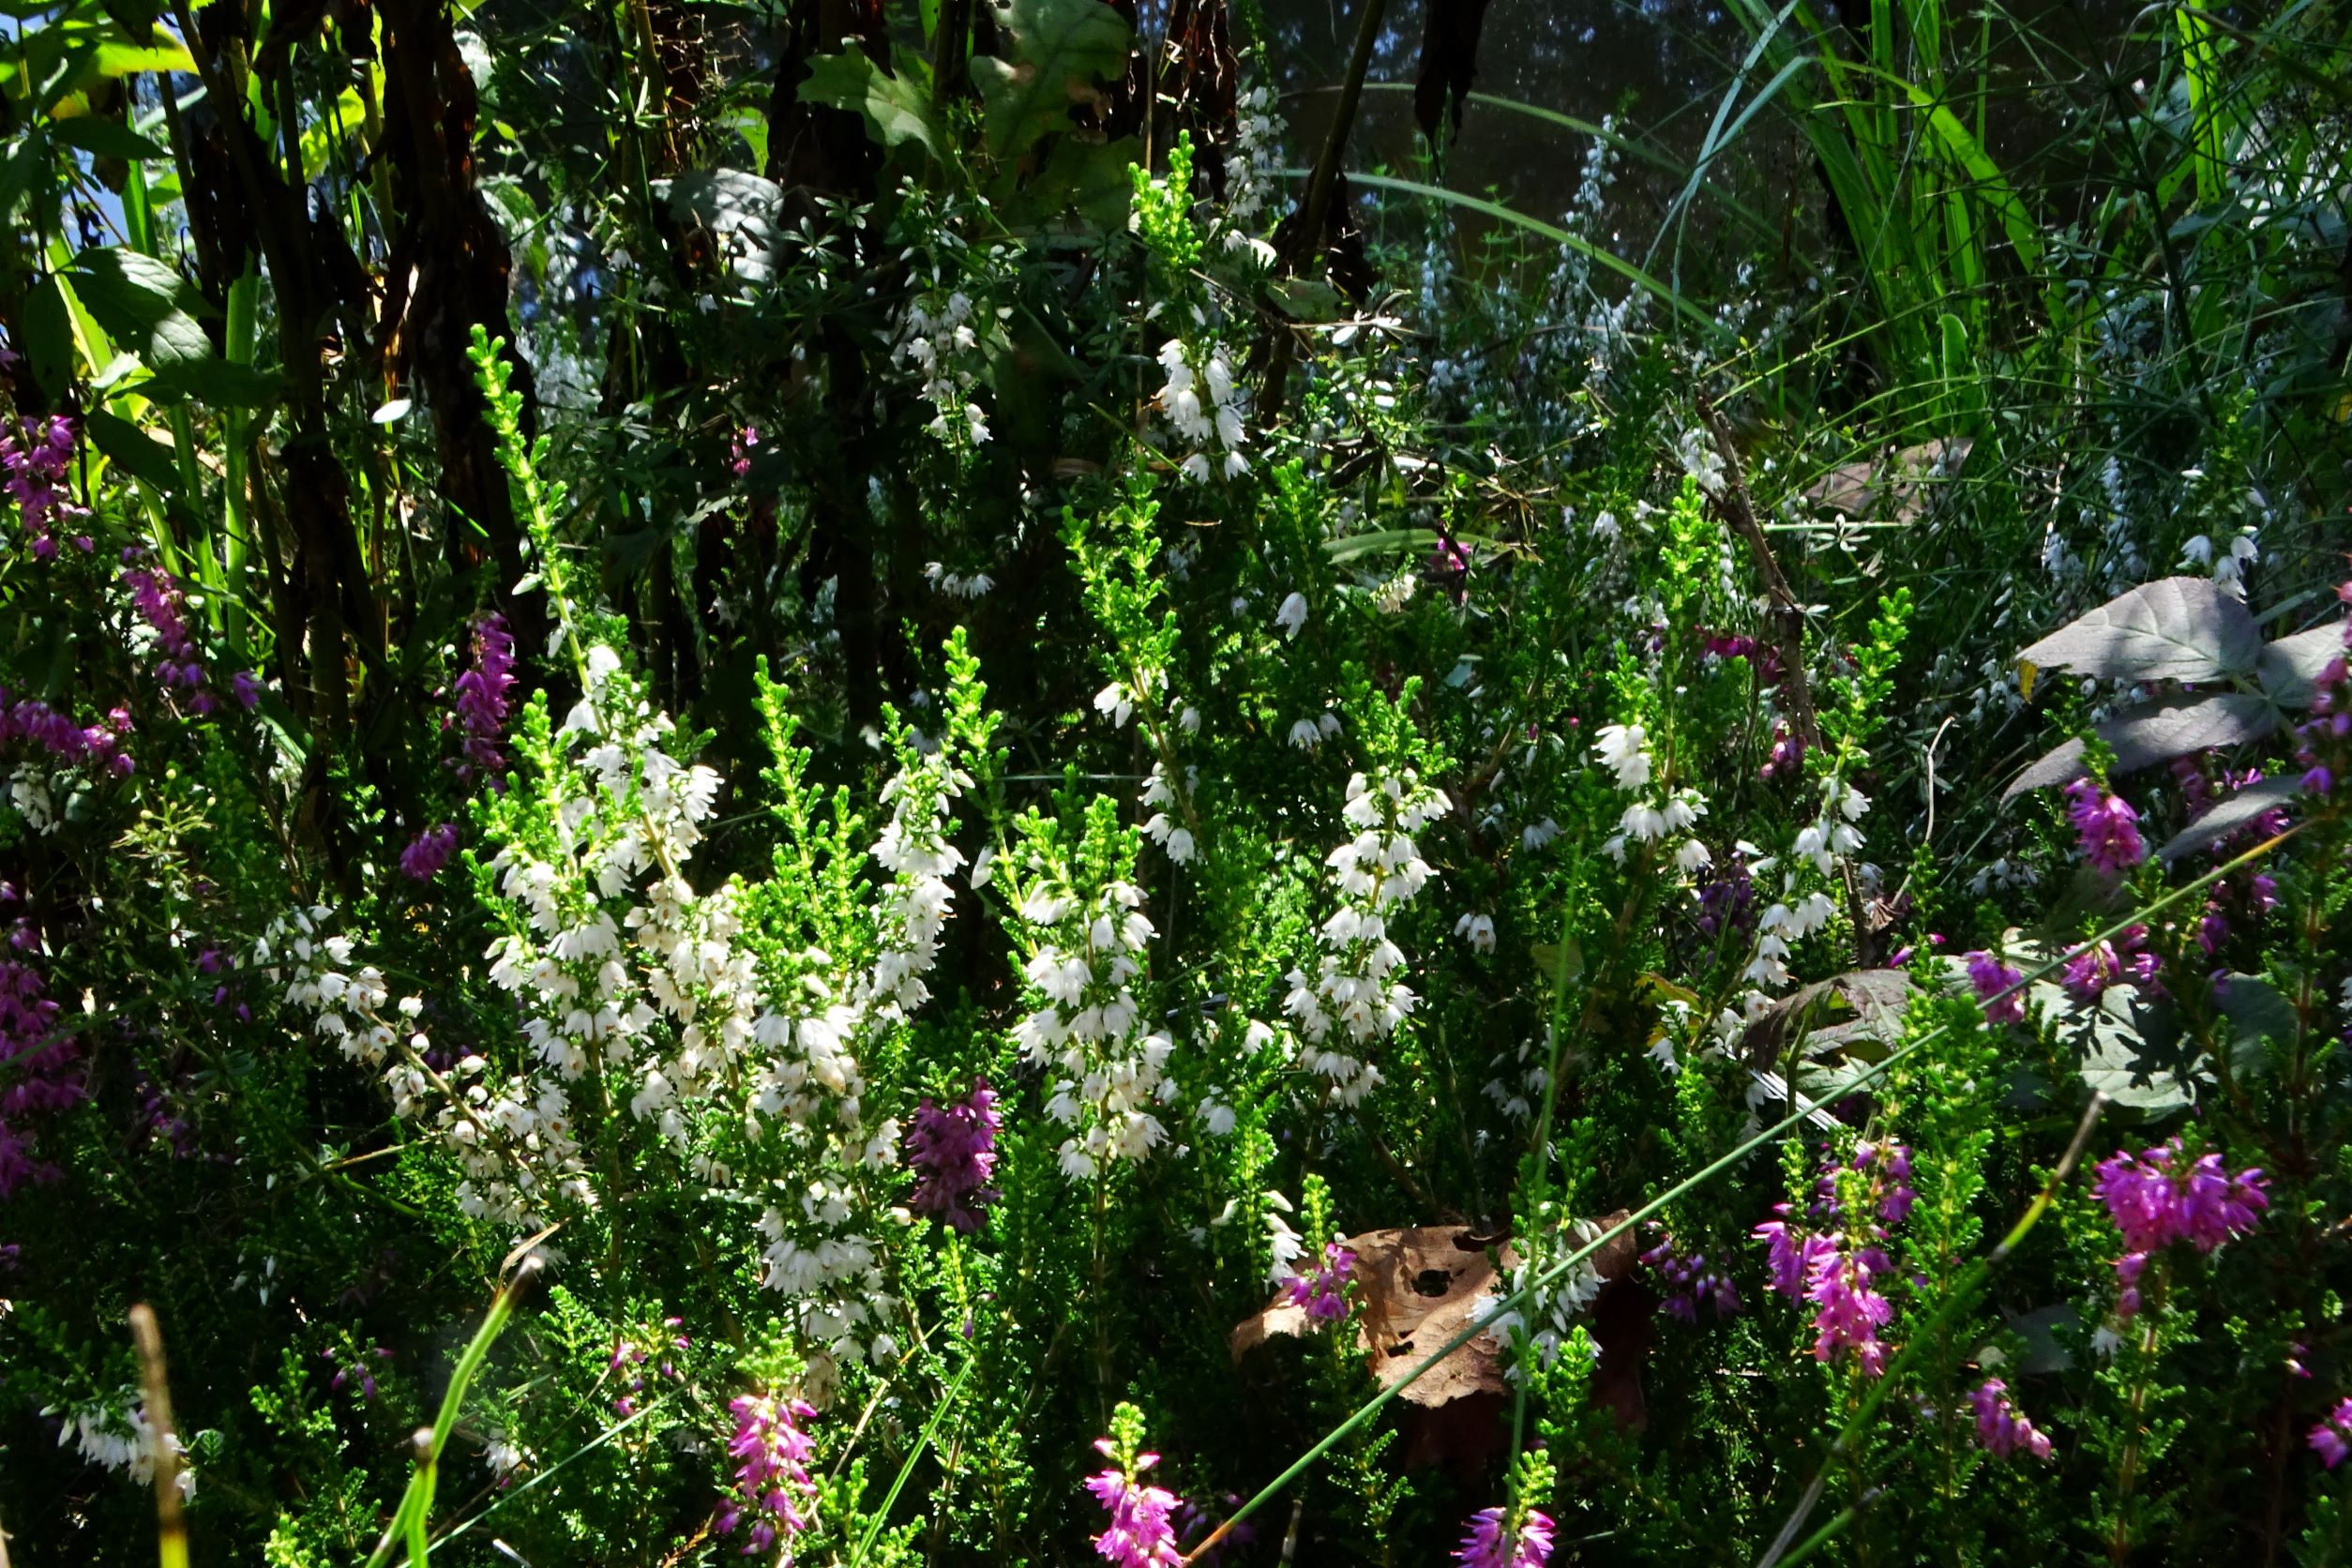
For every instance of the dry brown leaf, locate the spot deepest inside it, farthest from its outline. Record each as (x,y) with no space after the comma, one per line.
(1419,1287)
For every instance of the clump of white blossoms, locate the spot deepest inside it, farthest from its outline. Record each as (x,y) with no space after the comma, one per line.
(120,1437)
(958,585)
(1805,905)
(1254,163)
(1353,1002)
(1088,1027)
(1158,797)
(1205,407)
(2228,562)
(940,339)
(1546,1316)
(1624,750)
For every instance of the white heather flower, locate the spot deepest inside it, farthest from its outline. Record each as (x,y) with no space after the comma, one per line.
(1116,703)
(1478,929)
(1691,855)
(1700,460)
(1291,616)
(1305,734)
(1179,845)
(1623,748)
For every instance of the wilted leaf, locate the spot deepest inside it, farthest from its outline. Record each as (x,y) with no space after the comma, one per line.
(2239,809)
(1062,54)
(1449,61)
(2177,629)
(2289,668)
(2157,732)
(1873,999)
(1419,1287)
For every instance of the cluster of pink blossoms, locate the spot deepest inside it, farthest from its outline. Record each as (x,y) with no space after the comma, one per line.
(1997,985)
(952,1151)
(2157,1200)
(1492,1543)
(35,459)
(1323,1291)
(1837,1268)
(2324,744)
(2000,1430)
(1690,1281)
(1142,1531)
(428,851)
(2332,1437)
(2125,961)
(2106,829)
(41,1064)
(771,1488)
(482,703)
(100,744)
(161,602)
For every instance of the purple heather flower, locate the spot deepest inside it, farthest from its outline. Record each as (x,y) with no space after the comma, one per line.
(158,598)
(739,462)
(1992,978)
(2105,828)
(1726,902)
(2156,1202)
(952,1149)
(1323,1291)
(1689,1282)
(2000,1429)
(36,457)
(2090,971)
(1491,1543)
(2331,1436)
(1848,1313)
(482,703)
(773,1489)
(246,687)
(98,744)
(1141,1533)
(40,1066)
(428,851)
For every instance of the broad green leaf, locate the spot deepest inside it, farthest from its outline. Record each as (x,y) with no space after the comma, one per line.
(2236,813)
(2157,732)
(2177,629)
(222,382)
(2113,1052)
(104,138)
(2289,668)
(1062,52)
(48,325)
(1089,179)
(137,300)
(897,109)
(121,59)
(131,450)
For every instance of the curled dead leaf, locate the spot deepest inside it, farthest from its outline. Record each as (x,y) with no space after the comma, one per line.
(1418,1286)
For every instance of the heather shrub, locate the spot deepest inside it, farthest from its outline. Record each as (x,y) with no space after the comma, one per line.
(880,786)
